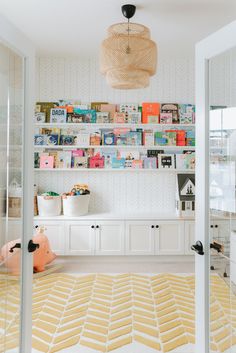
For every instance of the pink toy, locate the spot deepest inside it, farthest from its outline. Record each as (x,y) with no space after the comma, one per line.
(41,256)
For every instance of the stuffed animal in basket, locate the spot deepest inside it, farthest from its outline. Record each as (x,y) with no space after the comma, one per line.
(43,255)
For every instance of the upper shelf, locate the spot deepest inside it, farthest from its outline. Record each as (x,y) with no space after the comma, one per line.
(111,125)
(141,147)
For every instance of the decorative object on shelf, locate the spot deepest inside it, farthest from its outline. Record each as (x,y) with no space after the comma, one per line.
(185,200)
(128,56)
(166,161)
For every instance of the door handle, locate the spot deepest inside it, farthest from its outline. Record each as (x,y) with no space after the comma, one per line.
(16,246)
(198,247)
(32,246)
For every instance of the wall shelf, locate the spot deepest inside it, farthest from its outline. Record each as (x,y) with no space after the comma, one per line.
(112,125)
(39,147)
(133,170)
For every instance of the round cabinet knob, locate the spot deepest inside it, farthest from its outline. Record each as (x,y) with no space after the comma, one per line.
(36,226)
(152,226)
(211,226)
(216,226)
(93,227)
(157,226)
(97,226)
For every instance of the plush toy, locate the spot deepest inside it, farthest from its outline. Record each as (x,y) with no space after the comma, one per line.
(43,255)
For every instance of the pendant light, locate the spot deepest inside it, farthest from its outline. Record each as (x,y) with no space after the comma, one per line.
(128,56)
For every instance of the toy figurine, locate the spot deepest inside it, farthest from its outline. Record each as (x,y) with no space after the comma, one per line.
(43,255)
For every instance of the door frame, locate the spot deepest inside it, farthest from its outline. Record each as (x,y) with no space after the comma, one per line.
(215,44)
(15,40)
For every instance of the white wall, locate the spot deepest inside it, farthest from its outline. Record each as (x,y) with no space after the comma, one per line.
(72,78)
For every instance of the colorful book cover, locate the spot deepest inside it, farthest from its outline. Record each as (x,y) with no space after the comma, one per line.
(118,163)
(180,160)
(165,118)
(108,156)
(40,140)
(82,139)
(111,108)
(119,118)
(67,140)
(137,164)
(97,105)
(134,118)
(160,138)
(150,109)
(95,139)
(134,138)
(154,153)
(87,116)
(46,162)
(58,115)
(148,138)
(45,107)
(166,161)
(52,140)
(153,119)
(36,160)
(39,117)
(103,118)
(80,162)
(150,162)
(187,113)
(170,137)
(67,159)
(171,108)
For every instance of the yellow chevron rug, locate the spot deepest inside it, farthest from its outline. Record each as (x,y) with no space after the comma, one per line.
(125,313)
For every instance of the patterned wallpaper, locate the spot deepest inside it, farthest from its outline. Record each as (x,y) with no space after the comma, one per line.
(72,78)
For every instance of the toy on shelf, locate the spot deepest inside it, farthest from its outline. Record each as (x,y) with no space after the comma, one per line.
(43,255)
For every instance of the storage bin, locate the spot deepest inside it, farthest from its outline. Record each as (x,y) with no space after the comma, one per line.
(74,206)
(49,206)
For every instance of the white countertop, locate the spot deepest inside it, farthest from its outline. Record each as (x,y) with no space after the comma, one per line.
(116,216)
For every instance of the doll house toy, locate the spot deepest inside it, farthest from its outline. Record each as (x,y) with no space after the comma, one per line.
(185,196)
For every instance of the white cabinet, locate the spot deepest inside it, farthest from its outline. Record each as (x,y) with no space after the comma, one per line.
(169,238)
(80,237)
(55,233)
(139,238)
(233,256)
(109,238)
(189,237)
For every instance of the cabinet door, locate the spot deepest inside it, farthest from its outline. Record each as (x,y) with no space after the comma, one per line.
(109,238)
(139,238)
(233,256)
(55,233)
(189,231)
(169,238)
(80,237)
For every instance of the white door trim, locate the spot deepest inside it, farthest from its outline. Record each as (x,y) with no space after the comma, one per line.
(16,41)
(211,46)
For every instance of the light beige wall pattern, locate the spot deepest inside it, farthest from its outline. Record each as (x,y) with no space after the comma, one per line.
(80,79)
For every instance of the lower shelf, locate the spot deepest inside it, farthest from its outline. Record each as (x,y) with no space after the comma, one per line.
(133,170)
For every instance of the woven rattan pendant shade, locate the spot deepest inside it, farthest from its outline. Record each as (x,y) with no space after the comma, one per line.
(128,60)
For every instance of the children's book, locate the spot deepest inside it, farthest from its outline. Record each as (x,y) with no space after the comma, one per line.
(119,118)
(67,140)
(187,113)
(111,108)
(58,115)
(45,107)
(95,139)
(150,109)
(46,162)
(128,108)
(39,117)
(108,156)
(40,140)
(137,164)
(134,138)
(67,159)
(134,118)
(52,140)
(82,139)
(118,163)
(165,118)
(152,119)
(166,161)
(149,162)
(80,162)
(172,108)
(97,105)
(87,116)
(154,153)
(103,118)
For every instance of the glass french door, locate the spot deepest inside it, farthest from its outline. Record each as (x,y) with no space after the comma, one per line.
(216,192)
(16,200)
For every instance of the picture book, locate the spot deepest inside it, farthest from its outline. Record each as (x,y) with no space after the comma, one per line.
(67,159)
(45,107)
(82,139)
(119,118)
(134,118)
(166,161)
(129,157)
(58,115)
(170,137)
(148,138)
(108,156)
(165,118)
(97,105)
(52,140)
(160,138)
(111,108)
(152,119)
(154,153)
(96,161)
(87,116)
(187,113)
(137,164)
(36,160)
(95,139)
(134,138)
(39,140)
(46,162)
(80,162)
(150,109)
(128,108)
(67,140)
(150,162)
(172,108)
(103,118)
(118,163)
(50,131)
(39,117)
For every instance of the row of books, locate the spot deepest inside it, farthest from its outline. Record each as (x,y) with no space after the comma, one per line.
(103,113)
(116,136)
(88,158)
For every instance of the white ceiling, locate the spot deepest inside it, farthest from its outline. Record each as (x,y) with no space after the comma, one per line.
(76,27)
